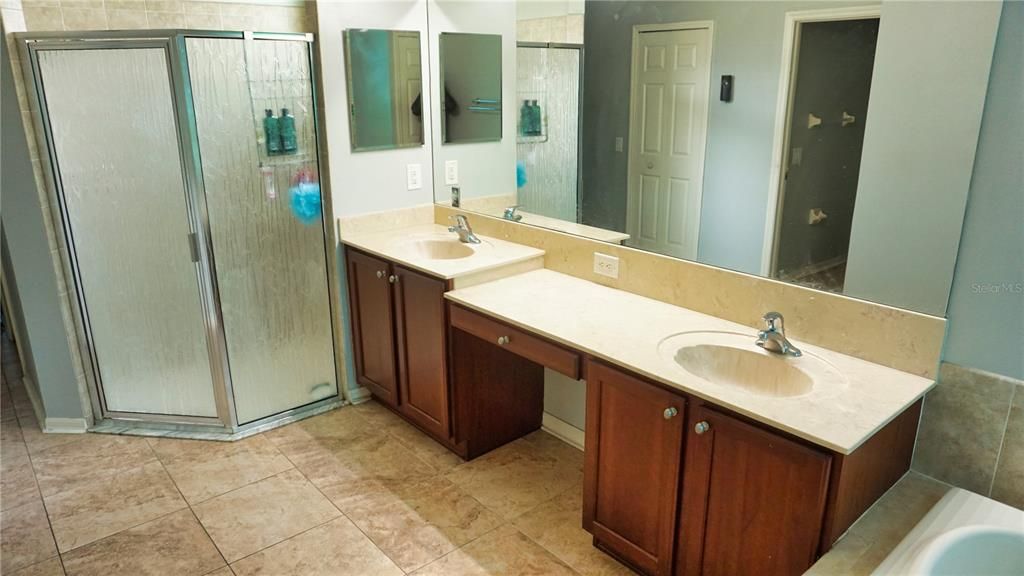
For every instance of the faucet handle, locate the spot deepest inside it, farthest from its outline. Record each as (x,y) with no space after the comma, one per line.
(774,321)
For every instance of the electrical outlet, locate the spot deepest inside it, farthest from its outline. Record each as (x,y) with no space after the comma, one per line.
(619,144)
(451,172)
(414,176)
(606,265)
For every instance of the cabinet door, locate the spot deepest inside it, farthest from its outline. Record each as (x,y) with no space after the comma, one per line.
(753,501)
(633,459)
(373,334)
(422,329)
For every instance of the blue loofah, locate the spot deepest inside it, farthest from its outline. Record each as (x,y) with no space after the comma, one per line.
(520,174)
(305,202)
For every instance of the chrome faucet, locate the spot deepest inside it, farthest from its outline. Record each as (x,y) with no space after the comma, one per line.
(773,337)
(462,228)
(510,213)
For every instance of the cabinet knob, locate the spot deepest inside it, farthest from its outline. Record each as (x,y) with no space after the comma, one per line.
(503,340)
(670,412)
(393,279)
(701,427)
(380,273)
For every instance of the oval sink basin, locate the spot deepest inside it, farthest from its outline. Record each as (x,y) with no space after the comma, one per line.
(744,369)
(732,360)
(441,249)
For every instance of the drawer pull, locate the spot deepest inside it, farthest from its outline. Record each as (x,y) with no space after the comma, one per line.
(701,427)
(380,273)
(393,279)
(503,340)
(670,413)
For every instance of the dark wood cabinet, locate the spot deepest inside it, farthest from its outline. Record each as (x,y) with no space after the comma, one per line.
(672,484)
(421,335)
(633,462)
(399,333)
(373,327)
(753,501)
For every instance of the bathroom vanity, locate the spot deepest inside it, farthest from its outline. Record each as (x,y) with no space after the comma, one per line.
(685,472)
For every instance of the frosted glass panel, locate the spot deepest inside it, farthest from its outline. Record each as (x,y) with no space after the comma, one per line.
(114,135)
(551,77)
(270,263)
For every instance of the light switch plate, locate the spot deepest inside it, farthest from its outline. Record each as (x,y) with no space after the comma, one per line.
(451,172)
(618,143)
(606,265)
(414,176)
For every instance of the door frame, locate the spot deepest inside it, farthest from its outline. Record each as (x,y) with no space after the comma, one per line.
(639,29)
(783,109)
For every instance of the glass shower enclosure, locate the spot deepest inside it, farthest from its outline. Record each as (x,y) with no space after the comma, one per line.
(184,177)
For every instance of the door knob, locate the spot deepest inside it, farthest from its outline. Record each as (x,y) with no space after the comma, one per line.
(650,165)
(701,427)
(670,413)
(380,273)
(393,279)
(503,340)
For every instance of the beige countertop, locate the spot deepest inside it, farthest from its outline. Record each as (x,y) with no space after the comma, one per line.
(627,330)
(399,245)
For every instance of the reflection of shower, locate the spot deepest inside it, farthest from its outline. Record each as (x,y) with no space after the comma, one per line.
(202,300)
(548,135)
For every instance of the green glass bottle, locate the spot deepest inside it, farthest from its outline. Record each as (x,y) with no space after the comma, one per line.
(271,133)
(289,143)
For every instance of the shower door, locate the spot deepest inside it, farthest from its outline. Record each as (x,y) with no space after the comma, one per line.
(119,174)
(269,260)
(550,75)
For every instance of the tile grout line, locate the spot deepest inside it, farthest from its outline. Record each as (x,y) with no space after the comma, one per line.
(189,506)
(336,507)
(1002,439)
(42,500)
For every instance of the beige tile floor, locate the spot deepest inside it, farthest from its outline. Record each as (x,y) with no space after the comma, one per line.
(354,491)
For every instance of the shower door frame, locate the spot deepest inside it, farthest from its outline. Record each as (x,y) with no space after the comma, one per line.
(172,42)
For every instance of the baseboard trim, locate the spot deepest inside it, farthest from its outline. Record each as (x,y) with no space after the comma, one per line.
(65,425)
(563,430)
(359,395)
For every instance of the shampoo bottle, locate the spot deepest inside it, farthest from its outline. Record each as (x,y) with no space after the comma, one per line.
(288,141)
(272,133)
(524,118)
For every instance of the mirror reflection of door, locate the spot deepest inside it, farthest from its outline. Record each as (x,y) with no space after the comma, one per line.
(408,81)
(385,82)
(833,64)
(668,130)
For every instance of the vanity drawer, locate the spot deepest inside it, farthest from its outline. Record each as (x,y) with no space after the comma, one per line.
(518,342)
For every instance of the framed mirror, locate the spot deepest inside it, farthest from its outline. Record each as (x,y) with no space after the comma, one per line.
(385,84)
(779,139)
(470,74)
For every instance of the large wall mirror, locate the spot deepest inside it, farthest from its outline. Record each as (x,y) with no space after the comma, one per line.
(385,85)
(470,87)
(816,143)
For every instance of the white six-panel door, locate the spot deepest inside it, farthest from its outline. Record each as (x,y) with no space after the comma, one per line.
(668,126)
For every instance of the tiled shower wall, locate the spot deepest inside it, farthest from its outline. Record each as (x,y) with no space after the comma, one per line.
(972,433)
(61,15)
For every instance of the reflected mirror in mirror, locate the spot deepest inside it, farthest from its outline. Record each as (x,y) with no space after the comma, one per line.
(385,84)
(754,136)
(470,87)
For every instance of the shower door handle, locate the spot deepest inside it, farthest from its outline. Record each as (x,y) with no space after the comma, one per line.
(193,246)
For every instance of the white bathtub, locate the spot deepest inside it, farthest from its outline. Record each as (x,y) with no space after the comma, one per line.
(963,535)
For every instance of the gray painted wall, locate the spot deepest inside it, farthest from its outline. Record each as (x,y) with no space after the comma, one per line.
(748,44)
(927,96)
(833,77)
(32,264)
(986,307)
